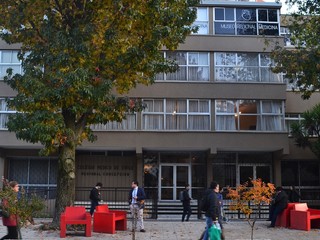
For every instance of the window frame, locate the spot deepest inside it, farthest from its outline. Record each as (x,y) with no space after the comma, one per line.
(163,116)
(239,66)
(163,77)
(237,114)
(256,26)
(6,65)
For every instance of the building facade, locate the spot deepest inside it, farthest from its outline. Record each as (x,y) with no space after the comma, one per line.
(222,116)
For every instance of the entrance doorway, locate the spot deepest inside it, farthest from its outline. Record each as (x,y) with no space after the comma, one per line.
(173,178)
(247,172)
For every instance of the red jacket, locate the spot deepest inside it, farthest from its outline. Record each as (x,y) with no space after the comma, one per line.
(12,219)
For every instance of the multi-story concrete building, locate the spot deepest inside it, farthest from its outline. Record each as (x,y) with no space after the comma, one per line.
(223,115)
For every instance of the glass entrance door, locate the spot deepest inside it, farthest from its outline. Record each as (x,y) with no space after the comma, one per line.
(173,178)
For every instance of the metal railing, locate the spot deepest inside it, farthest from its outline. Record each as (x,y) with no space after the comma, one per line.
(117,198)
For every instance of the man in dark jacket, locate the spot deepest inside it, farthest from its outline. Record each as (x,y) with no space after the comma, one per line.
(186,203)
(212,213)
(95,197)
(279,204)
(136,202)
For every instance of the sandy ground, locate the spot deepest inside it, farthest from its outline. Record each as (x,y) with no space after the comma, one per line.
(174,230)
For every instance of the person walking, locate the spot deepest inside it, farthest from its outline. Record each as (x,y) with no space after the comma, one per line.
(220,208)
(95,197)
(212,212)
(280,203)
(136,202)
(10,220)
(186,203)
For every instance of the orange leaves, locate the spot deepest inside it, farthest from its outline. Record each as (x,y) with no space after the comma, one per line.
(245,196)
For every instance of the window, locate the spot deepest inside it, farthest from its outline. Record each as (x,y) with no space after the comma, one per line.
(297,118)
(304,174)
(176,114)
(202,20)
(9,59)
(290,119)
(129,123)
(244,67)
(193,66)
(246,21)
(37,175)
(4,113)
(249,115)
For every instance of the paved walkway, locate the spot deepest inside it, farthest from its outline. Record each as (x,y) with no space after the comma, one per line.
(174,230)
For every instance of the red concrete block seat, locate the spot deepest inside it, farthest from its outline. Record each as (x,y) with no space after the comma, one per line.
(75,215)
(283,220)
(108,221)
(303,218)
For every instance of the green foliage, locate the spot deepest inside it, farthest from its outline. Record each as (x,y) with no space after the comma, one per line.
(302,64)
(76,53)
(310,125)
(20,204)
(79,59)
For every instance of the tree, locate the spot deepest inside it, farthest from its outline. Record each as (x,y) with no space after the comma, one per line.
(246,197)
(78,56)
(302,64)
(309,126)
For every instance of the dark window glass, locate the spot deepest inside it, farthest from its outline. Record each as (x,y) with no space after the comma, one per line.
(290,173)
(309,194)
(53,171)
(224,174)
(263,172)
(227,28)
(199,173)
(273,16)
(309,173)
(263,15)
(38,171)
(219,13)
(182,176)
(246,15)
(246,173)
(18,170)
(246,29)
(229,14)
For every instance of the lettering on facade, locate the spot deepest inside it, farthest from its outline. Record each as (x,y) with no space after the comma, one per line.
(246,26)
(105,170)
(268,26)
(227,25)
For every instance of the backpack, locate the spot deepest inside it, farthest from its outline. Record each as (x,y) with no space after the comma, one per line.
(181,196)
(204,202)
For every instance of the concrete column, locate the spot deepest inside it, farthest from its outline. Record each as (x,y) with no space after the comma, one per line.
(209,169)
(277,156)
(139,168)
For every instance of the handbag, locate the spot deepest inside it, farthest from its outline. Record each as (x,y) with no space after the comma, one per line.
(215,231)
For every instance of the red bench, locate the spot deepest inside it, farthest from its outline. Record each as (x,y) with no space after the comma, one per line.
(283,219)
(75,215)
(107,221)
(303,218)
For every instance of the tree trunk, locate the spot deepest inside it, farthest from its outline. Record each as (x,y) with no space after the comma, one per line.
(65,182)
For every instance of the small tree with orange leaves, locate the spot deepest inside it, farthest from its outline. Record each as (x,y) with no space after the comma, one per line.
(245,197)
